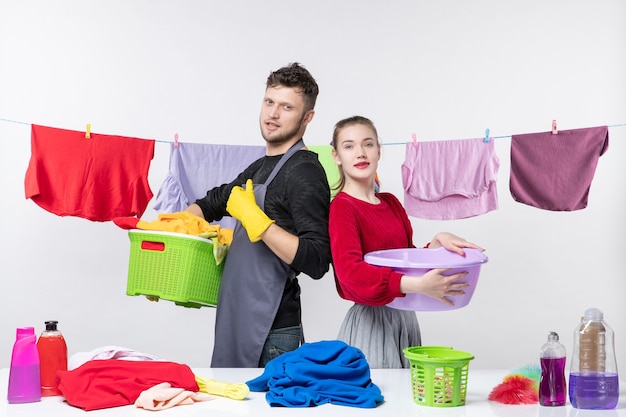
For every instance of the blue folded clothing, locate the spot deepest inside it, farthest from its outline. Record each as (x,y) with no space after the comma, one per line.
(317,373)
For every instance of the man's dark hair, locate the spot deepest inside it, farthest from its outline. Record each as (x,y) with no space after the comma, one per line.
(296,76)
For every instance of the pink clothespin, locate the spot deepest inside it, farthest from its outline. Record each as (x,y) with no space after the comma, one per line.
(176,140)
(88,131)
(414,139)
(554,130)
(487,136)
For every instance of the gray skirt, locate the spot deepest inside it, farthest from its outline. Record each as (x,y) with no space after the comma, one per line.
(381,333)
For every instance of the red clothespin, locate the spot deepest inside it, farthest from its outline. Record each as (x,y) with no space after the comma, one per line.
(554,130)
(414,139)
(176,140)
(487,136)
(88,131)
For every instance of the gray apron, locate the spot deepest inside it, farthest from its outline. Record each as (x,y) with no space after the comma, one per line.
(250,292)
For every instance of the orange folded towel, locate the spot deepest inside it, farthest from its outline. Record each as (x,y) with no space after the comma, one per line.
(163,396)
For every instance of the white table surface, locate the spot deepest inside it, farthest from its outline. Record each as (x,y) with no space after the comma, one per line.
(395,385)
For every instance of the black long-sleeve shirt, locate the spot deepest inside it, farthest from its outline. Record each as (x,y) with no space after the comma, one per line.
(297,199)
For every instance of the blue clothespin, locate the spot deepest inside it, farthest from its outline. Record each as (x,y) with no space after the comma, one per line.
(487,136)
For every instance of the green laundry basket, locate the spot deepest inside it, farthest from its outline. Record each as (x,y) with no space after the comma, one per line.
(438,375)
(173,266)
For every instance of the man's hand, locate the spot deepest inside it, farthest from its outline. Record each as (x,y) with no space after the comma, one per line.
(242,206)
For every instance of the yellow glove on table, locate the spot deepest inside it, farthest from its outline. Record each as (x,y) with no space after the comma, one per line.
(243,207)
(223,389)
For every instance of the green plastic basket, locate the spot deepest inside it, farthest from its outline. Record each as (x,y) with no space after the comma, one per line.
(438,375)
(173,266)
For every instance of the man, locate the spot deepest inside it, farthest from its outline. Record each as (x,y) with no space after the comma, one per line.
(281,204)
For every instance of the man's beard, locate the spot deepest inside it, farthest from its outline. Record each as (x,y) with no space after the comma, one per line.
(285,137)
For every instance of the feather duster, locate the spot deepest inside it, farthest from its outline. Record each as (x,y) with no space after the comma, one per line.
(519,387)
(530,371)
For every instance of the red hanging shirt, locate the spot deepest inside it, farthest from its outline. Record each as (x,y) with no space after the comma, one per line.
(97,179)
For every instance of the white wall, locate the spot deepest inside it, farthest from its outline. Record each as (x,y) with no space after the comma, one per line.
(443,70)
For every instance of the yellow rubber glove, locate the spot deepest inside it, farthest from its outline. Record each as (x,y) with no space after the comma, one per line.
(224,389)
(243,207)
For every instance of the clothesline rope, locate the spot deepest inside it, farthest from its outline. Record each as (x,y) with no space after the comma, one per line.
(384,144)
(490,137)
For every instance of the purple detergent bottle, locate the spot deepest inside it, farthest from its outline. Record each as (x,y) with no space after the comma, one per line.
(24,379)
(593,380)
(552,385)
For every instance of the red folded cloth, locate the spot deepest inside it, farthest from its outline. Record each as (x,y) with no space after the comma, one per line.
(110,383)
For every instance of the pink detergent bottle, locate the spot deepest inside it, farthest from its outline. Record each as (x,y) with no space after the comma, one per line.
(552,385)
(24,379)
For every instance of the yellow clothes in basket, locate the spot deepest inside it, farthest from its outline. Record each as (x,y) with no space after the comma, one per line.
(188,223)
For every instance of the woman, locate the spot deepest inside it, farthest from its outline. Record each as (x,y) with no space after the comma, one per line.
(363,220)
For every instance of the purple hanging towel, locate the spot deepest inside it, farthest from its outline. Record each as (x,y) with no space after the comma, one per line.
(554,171)
(195,168)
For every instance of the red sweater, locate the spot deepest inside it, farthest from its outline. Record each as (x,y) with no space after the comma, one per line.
(357,227)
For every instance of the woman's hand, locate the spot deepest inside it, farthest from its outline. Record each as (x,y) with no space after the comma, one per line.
(435,285)
(452,243)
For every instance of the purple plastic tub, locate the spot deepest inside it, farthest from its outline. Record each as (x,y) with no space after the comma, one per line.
(418,261)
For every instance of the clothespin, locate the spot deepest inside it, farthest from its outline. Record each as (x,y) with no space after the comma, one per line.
(176,140)
(376,182)
(88,131)
(414,139)
(554,130)
(487,136)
